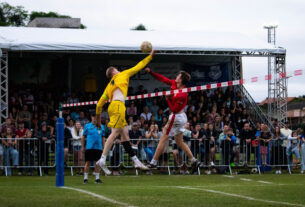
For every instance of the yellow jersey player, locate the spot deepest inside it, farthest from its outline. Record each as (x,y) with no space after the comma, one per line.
(116,92)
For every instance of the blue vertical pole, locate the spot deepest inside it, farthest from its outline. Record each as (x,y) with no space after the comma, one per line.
(60,150)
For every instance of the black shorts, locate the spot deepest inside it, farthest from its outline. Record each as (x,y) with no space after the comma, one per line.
(93,155)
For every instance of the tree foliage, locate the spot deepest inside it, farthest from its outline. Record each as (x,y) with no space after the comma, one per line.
(18,16)
(12,16)
(35,14)
(139,27)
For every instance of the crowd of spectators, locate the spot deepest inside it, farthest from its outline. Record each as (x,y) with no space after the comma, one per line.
(218,122)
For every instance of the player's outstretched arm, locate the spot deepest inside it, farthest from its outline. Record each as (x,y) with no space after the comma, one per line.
(140,65)
(159,77)
(99,108)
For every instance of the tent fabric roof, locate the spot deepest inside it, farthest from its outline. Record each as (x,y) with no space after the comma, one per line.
(49,39)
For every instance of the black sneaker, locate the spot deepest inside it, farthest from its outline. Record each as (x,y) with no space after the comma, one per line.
(195,166)
(85,181)
(151,166)
(98,181)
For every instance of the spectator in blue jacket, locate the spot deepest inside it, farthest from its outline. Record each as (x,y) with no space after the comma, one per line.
(227,143)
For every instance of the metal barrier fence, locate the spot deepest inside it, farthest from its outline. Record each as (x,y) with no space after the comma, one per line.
(27,154)
(217,156)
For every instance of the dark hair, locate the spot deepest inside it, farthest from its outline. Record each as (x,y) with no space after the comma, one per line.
(185,77)
(109,72)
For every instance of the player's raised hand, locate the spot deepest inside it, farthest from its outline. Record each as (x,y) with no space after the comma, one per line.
(147,70)
(153,52)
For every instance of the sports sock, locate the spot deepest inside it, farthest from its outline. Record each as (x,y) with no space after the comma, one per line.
(97,176)
(154,162)
(128,149)
(193,160)
(85,176)
(103,158)
(135,158)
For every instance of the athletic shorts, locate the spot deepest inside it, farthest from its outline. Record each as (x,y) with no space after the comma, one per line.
(116,111)
(175,124)
(92,155)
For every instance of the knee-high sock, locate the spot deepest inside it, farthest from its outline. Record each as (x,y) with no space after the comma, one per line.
(128,149)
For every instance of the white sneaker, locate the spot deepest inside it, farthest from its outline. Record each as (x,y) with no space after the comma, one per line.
(277,172)
(103,166)
(139,165)
(212,163)
(302,172)
(280,172)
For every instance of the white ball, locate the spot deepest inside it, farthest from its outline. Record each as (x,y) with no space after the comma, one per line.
(146,47)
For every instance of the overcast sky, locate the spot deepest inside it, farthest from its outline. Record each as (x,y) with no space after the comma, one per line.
(242,16)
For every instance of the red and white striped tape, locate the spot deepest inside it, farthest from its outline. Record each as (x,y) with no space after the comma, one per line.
(195,88)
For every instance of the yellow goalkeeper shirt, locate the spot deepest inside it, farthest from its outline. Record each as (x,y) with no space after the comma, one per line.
(121,81)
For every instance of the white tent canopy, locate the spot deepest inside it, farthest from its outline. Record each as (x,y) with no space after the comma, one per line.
(54,39)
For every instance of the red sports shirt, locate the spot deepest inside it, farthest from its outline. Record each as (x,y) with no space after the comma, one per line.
(178,101)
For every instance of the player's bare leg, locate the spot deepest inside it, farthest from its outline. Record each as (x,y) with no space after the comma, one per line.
(125,140)
(160,147)
(187,151)
(183,145)
(102,162)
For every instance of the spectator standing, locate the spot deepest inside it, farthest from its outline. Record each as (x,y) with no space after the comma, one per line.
(146,114)
(82,119)
(25,116)
(92,145)
(153,135)
(75,114)
(285,133)
(29,152)
(159,117)
(77,133)
(67,143)
(278,152)
(212,136)
(246,136)
(44,138)
(10,150)
(197,136)
(303,151)
(154,107)
(264,139)
(136,138)
(130,123)
(28,99)
(20,134)
(72,98)
(293,148)
(227,143)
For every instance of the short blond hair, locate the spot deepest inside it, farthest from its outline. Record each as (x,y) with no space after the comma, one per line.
(109,72)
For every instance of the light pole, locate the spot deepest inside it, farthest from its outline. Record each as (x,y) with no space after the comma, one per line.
(272,112)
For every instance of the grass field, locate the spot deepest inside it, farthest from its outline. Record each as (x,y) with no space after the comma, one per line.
(156,190)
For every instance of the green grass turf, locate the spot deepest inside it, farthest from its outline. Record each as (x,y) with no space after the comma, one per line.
(155,190)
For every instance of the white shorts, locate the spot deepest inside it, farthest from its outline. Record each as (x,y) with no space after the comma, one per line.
(175,124)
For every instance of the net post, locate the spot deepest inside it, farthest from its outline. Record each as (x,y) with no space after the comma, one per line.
(60,149)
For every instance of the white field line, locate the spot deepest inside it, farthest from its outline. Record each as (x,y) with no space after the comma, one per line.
(265,182)
(246,179)
(98,196)
(241,196)
(228,176)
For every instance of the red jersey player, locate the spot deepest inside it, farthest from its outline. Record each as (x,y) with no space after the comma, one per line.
(177,119)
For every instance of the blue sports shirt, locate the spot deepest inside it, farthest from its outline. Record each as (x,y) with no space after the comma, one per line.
(93,136)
